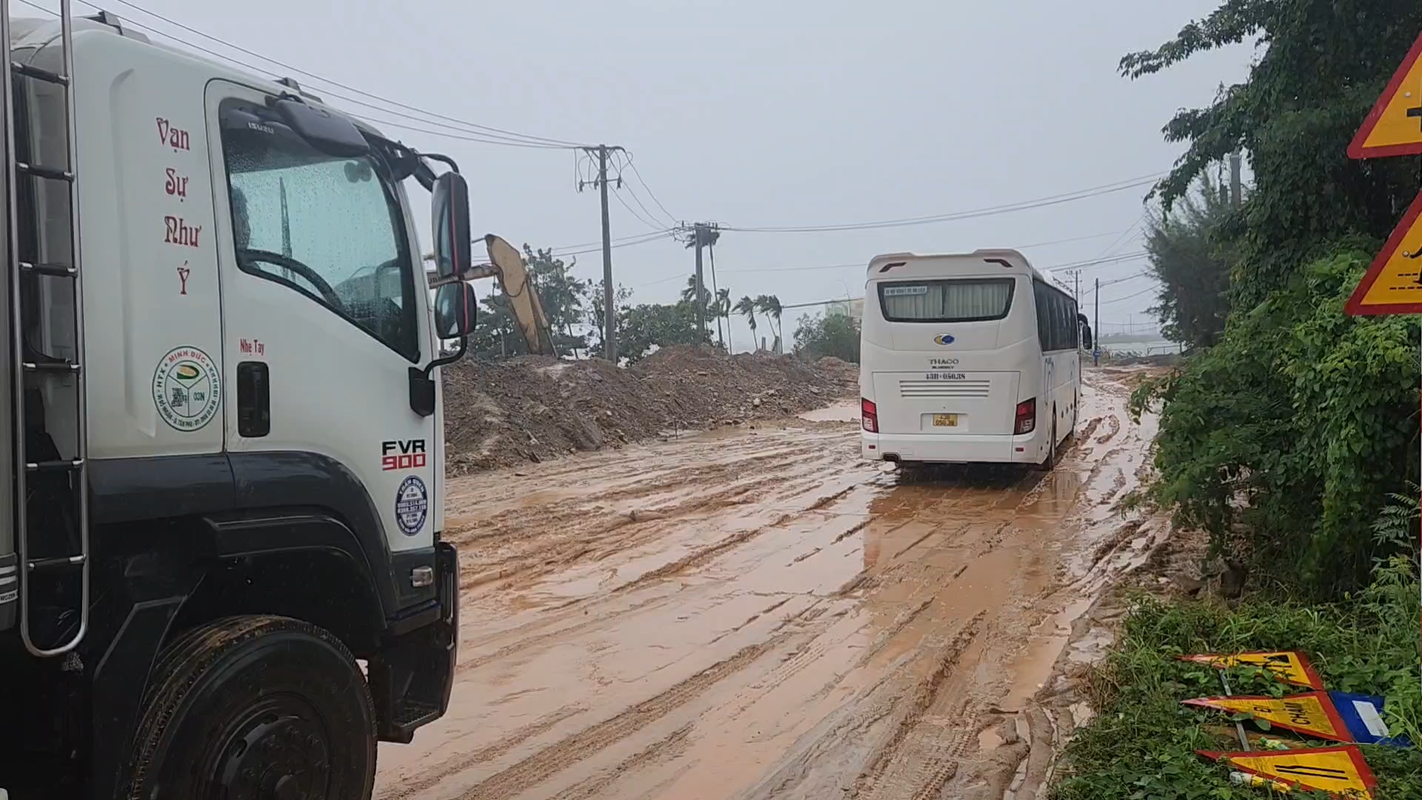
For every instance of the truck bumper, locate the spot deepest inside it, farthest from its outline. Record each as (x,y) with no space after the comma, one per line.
(412,676)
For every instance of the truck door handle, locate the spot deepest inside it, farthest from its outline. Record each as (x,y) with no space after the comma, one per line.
(254,404)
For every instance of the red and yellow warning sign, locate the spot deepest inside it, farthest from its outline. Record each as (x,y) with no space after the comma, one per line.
(1394,126)
(1311,714)
(1338,770)
(1288,666)
(1393,284)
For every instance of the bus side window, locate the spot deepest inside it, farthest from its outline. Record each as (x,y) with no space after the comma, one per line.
(1044,314)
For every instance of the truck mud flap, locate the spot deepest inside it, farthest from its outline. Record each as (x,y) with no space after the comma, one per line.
(412,676)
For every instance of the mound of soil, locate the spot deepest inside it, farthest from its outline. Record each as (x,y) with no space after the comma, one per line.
(533,409)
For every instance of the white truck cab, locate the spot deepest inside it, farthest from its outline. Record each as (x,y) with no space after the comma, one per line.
(224,472)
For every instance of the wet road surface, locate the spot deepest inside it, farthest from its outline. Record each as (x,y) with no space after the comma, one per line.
(758,614)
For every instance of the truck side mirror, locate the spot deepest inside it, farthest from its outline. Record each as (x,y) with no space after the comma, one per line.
(455,310)
(449,206)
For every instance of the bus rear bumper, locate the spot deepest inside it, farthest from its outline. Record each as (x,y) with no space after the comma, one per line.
(954,449)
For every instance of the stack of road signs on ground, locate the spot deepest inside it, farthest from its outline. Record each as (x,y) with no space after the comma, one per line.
(1340,717)
(1393,284)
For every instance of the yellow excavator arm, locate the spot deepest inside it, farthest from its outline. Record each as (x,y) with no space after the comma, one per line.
(507,265)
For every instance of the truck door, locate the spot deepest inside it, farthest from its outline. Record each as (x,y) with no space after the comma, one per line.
(323,317)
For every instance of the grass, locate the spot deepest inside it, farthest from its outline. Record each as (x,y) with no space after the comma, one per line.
(1142,743)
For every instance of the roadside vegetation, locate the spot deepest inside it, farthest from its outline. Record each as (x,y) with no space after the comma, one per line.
(1289,435)
(574,309)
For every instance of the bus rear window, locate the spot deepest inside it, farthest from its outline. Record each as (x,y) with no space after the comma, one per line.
(958,300)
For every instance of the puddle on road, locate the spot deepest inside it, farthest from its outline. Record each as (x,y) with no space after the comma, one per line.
(839,412)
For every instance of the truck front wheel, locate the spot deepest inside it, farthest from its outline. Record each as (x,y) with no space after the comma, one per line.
(255,707)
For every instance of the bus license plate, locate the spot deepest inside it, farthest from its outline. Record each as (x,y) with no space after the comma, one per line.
(945,420)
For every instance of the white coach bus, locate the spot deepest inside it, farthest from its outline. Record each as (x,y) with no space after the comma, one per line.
(967,358)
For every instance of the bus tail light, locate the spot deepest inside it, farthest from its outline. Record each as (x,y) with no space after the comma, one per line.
(870,414)
(1026,416)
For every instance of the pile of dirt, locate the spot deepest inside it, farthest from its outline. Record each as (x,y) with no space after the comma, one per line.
(533,409)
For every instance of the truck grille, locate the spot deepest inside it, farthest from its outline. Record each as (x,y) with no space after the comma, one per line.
(918,389)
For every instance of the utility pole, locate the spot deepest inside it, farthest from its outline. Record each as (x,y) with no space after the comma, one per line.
(609,309)
(1096,340)
(699,231)
(1236,192)
(703,234)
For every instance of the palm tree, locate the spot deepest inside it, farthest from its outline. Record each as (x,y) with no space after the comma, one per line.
(723,311)
(769,305)
(746,307)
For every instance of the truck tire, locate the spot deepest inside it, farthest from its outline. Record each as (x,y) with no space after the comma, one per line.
(255,707)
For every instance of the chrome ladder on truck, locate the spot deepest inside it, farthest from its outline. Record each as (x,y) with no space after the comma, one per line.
(44,572)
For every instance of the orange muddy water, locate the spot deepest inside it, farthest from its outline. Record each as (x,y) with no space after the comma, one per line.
(759,614)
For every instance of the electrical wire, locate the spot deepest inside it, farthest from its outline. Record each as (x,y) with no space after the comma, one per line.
(499,133)
(1123,280)
(372,120)
(1069,197)
(1150,288)
(645,238)
(1092,263)
(865,263)
(630,210)
(632,163)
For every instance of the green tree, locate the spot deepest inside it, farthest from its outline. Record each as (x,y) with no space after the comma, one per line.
(561,295)
(1192,264)
(651,326)
(1285,439)
(821,335)
(594,302)
(769,305)
(1323,65)
(747,308)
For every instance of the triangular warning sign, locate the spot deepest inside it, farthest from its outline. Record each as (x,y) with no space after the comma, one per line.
(1288,666)
(1310,714)
(1338,770)
(1394,126)
(1393,283)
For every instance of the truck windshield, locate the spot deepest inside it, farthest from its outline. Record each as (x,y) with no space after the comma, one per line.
(330,228)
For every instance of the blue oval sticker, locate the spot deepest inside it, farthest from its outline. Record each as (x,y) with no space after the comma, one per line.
(943,338)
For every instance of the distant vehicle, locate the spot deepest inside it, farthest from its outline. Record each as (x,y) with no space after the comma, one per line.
(967,358)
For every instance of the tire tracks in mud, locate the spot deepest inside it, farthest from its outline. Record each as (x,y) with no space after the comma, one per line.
(689,618)
(553,759)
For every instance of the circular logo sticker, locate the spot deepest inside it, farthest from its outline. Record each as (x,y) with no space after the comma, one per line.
(411,505)
(186,389)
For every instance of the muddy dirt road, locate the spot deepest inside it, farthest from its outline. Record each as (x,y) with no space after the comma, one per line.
(757,614)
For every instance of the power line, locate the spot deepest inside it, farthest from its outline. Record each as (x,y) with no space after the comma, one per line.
(1123,280)
(620,241)
(462,135)
(500,133)
(1098,262)
(645,238)
(1150,288)
(864,264)
(1081,194)
(630,210)
(626,164)
(631,162)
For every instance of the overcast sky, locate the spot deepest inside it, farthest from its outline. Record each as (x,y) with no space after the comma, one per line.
(778,113)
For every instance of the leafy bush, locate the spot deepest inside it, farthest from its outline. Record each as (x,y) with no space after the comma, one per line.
(828,335)
(1285,440)
(1142,742)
